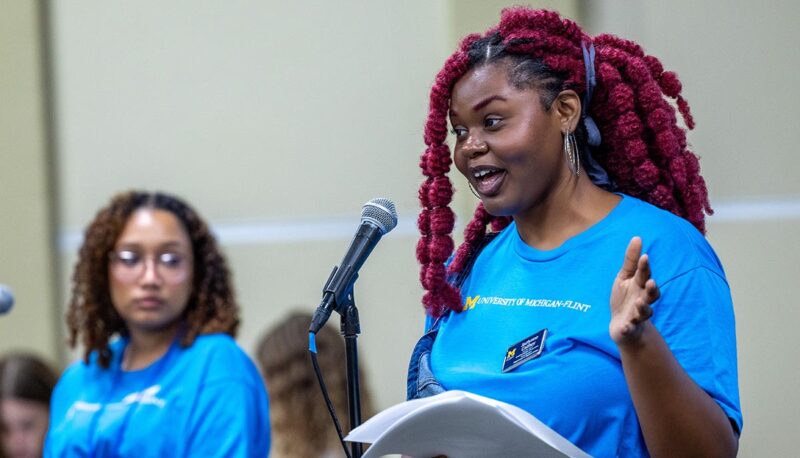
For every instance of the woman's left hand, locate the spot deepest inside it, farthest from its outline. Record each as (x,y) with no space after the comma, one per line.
(631,296)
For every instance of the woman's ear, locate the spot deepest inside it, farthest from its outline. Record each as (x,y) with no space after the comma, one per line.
(567,106)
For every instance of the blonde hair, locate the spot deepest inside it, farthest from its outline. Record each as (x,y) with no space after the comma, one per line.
(301,425)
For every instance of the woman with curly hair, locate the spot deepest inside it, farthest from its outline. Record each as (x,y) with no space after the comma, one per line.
(154,309)
(301,424)
(575,151)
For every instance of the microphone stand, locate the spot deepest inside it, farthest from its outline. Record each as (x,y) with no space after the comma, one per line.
(350,328)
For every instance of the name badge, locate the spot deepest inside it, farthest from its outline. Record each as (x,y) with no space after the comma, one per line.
(524,351)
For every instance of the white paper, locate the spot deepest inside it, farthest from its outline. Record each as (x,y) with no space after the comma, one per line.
(460,425)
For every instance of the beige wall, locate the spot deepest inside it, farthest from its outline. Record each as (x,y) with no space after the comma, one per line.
(267,116)
(26,224)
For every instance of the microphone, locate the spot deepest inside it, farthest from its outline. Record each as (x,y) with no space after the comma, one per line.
(6,299)
(378,216)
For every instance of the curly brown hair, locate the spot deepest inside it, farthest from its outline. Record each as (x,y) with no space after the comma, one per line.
(301,425)
(91,316)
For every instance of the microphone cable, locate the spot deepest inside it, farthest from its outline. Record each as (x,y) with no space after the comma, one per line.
(312,348)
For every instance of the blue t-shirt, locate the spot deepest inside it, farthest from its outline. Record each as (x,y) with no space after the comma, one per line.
(577,386)
(204,400)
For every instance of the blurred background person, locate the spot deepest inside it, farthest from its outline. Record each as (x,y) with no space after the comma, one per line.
(26,383)
(154,309)
(301,424)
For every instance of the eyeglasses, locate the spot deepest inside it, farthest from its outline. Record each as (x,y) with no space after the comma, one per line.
(128,266)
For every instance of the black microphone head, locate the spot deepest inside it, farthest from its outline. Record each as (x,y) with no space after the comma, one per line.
(6,299)
(380,211)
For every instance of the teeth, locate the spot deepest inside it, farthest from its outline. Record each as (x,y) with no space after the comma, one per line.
(482,173)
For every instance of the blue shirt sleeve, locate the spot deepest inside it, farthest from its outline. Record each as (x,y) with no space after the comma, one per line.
(695,317)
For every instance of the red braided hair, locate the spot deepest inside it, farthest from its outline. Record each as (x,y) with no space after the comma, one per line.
(643,147)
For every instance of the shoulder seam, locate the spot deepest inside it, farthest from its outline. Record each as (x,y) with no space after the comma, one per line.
(686,272)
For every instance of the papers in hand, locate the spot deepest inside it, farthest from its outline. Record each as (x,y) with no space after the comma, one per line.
(460,424)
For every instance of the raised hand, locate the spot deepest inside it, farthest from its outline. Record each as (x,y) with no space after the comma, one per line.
(631,296)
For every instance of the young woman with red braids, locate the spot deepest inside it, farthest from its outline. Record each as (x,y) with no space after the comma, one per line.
(576,154)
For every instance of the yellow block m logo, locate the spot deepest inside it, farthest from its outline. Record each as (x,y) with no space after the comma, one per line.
(470,302)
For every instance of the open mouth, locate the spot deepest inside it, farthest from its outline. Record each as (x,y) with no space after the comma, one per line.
(488,179)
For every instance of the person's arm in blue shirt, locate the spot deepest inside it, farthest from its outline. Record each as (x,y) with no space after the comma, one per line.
(677,417)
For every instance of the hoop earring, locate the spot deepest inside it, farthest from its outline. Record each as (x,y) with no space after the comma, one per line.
(572,154)
(472,190)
